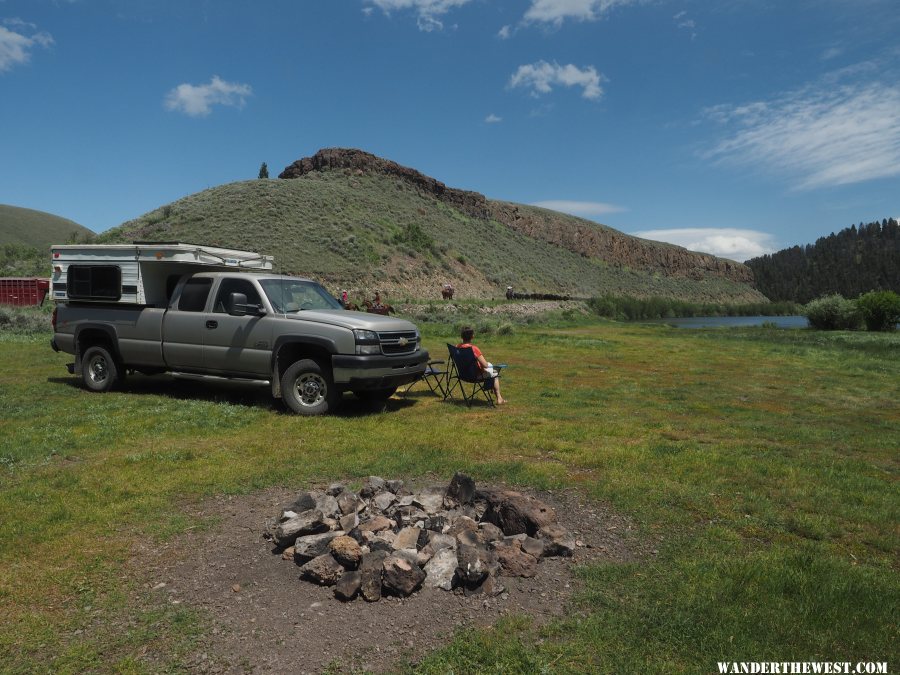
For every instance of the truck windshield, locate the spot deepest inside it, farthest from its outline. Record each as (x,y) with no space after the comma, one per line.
(294,295)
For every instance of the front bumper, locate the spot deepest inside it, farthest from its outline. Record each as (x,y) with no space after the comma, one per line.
(378,372)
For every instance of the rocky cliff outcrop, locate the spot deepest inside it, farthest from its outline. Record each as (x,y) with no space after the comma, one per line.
(576,235)
(616,247)
(470,203)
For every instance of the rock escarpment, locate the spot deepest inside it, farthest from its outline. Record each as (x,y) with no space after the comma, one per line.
(471,203)
(616,247)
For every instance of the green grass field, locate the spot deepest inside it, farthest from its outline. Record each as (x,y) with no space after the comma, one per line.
(763,462)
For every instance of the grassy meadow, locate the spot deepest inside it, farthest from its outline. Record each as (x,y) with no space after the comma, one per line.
(762,464)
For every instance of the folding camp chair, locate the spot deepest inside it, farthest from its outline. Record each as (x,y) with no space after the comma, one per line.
(465,375)
(435,377)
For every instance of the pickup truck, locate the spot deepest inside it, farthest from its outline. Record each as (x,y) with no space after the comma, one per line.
(285,331)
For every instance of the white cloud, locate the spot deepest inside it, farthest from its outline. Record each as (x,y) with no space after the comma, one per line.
(557,11)
(493,119)
(505,33)
(576,208)
(16,45)
(428,12)
(197,100)
(832,135)
(540,77)
(726,242)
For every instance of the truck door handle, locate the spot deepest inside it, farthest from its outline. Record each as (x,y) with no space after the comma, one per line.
(212,324)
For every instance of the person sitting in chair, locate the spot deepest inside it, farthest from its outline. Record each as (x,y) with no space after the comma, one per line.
(488,373)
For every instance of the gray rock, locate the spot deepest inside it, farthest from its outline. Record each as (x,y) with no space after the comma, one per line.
(383,500)
(473,565)
(370,574)
(461,489)
(304,523)
(316,499)
(406,500)
(408,554)
(350,503)
(462,524)
(468,538)
(489,532)
(401,577)
(491,587)
(430,500)
(372,486)
(395,485)
(286,515)
(335,489)
(408,537)
(349,522)
(376,524)
(308,547)
(556,540)
(437,541)
(348,586)
(533,547)
(441,569)
(323,570)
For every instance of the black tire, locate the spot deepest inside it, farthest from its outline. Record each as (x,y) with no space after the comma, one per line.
(308,389)
(99,370)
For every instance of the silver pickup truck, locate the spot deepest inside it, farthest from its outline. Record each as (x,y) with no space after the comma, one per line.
(286,331)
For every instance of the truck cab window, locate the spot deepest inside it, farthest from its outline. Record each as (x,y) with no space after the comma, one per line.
(194,294)
(229,286)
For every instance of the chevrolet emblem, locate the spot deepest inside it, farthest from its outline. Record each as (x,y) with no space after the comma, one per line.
(403,342)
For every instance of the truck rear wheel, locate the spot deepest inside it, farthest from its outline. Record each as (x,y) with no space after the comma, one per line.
(99,370)
(307,389)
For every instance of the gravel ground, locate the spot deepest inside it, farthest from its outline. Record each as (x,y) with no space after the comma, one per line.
(262,618)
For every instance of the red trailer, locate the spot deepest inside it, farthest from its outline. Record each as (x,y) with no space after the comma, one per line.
(23,290)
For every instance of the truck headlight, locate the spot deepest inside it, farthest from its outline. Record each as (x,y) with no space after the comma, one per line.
(367,342)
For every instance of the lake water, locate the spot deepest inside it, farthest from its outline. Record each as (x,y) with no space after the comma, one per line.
(732,321)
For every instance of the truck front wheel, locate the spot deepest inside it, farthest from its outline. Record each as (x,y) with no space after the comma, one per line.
(307,389)
(99,370)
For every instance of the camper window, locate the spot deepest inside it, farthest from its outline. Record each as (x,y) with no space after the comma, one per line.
(94,282)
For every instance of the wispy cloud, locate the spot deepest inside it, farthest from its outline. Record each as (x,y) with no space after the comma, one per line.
(684,22)
(197,100)
(556,11)
(18,41)
(428,12)
(541,77)
(817,137)
(493,119)
(731,243)
(576,208)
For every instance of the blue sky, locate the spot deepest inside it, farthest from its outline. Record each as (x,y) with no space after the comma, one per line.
(731,126)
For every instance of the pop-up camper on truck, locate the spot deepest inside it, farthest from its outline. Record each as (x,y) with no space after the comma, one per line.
(214,313)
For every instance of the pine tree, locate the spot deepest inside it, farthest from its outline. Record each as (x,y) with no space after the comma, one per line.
(263,171)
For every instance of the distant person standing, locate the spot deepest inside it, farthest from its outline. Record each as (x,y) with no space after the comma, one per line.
(345,299)
(488,373)
(509,293)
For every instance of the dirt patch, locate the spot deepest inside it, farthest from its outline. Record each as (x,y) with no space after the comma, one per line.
(263,618)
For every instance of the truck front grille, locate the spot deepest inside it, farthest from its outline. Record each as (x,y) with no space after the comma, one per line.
(398,342)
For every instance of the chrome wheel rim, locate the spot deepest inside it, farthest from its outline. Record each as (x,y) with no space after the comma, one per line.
(311,389)
(98,369)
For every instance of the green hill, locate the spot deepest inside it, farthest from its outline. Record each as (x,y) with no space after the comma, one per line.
(366,228)
(26,236)
(27,227)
